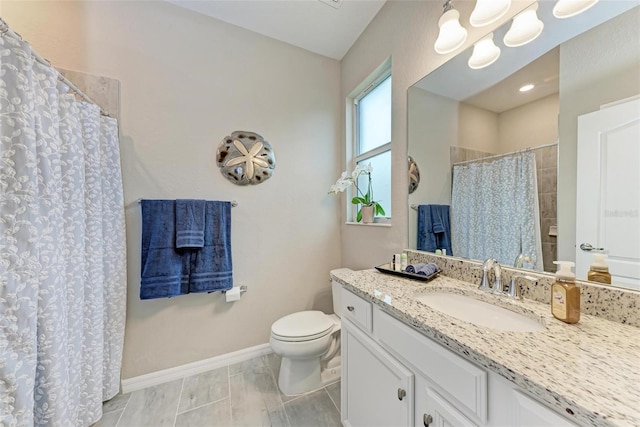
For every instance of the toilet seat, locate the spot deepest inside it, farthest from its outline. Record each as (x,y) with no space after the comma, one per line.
(302,326)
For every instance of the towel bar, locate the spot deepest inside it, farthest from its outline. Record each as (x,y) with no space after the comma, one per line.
(233,203)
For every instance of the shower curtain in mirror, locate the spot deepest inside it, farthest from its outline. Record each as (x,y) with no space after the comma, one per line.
(62,249)
(494,210)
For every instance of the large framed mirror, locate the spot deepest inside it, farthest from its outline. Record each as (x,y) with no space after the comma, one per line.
(468,120)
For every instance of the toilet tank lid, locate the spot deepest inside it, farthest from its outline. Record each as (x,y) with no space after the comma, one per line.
(302,324)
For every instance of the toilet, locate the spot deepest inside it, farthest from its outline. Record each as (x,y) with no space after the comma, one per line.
(309,344)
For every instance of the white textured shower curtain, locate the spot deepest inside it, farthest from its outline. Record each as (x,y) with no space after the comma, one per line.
(62,249)
(494,210)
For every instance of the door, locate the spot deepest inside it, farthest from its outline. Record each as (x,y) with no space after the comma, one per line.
(433,410)
(608,191)
(377,389)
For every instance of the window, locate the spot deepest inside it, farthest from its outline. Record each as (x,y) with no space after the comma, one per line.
(373,138)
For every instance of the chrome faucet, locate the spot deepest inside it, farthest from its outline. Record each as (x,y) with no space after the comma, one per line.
(485,285)
(514,290)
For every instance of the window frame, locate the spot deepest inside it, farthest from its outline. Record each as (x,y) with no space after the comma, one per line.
(362,156)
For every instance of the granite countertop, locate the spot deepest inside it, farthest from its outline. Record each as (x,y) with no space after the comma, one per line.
(591,368)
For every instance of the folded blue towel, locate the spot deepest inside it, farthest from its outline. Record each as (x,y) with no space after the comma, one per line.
(190,223)
(211,266)
(164,271)
(422,269)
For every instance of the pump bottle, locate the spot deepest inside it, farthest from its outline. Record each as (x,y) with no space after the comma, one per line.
(599,271)
(565,295)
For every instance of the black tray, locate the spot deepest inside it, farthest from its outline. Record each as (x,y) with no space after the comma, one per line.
(386,268)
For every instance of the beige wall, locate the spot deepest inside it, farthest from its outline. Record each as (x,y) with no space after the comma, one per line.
(596,68)
(478,129)
(186,82)
(404,31)
(529,125)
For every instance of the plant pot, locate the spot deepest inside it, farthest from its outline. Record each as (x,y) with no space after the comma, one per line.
(367,214)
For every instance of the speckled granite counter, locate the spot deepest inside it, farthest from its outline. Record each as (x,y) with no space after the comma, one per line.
(591,369)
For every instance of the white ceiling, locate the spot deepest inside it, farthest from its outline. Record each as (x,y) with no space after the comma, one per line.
(310,24)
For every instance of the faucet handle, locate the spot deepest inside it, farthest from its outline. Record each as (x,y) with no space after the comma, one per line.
(514,290)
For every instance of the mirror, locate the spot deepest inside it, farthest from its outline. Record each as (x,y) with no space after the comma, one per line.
(457,115)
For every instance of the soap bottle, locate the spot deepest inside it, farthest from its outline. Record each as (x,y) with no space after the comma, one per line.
(403,261)
(565,295)
(599,271)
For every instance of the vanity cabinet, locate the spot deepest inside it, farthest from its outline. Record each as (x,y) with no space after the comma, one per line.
(392,375)
(380,389)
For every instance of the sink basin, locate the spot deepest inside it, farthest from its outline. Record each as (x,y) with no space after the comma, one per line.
(479,312)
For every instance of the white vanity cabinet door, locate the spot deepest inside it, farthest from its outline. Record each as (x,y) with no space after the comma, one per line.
(528,412)
(432,410)
(377,390)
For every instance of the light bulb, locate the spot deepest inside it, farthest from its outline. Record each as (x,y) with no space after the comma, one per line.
(452,34)
(485,53)
(488,11)
(526,27)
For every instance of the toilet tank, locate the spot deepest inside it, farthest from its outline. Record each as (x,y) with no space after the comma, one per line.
(336,291)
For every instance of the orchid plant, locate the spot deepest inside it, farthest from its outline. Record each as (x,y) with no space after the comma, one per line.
(346,180)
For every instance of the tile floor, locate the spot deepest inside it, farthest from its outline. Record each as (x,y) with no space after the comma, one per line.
(242,394)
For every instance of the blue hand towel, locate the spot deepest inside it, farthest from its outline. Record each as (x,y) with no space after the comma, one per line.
(422,269)
(164,271)
(434,230)
(190,223)
(211,266)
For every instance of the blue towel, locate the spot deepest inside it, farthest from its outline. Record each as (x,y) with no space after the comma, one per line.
(190,223)
(422,269)
(164,271)
(434,231)
(211,266)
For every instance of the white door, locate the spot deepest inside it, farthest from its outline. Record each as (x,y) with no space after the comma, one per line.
(608,191)
(377,389)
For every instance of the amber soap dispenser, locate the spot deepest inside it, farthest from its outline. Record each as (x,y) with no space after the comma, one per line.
(599,271)
(565,295)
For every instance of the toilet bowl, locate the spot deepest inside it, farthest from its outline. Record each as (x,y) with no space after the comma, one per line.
(309,344)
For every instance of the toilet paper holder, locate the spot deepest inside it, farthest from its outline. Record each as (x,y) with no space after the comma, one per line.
(243,289)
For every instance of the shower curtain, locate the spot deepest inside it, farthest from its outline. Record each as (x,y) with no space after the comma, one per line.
(62,249)
(494,210)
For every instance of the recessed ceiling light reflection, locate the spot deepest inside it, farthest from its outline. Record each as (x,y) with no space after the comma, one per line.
(526,88)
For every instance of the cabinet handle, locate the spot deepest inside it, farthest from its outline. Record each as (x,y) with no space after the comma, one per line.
(350,308)
(401,394)
(427,419)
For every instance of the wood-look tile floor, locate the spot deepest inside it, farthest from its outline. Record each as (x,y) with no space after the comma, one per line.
(241,394)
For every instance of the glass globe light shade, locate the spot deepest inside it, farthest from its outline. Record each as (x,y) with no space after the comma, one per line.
(568,8)
(452,35)
(488,11)
(526,27)
(485,53)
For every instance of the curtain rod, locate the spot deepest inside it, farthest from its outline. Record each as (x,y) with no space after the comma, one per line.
(5,30)
(511,153)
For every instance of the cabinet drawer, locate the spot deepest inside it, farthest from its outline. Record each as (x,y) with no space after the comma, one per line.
(357,310)
(459,378)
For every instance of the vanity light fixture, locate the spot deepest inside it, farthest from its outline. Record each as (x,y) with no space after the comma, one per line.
(568,8)
(527,87)
(488,11)
(485,53)
(525,28)
(452,35)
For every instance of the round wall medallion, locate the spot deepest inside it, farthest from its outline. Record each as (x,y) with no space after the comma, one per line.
(414,175)
(245,158)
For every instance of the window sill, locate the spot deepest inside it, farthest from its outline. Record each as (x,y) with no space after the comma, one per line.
(374,224)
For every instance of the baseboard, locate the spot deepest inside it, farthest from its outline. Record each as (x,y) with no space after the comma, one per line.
(158,377)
